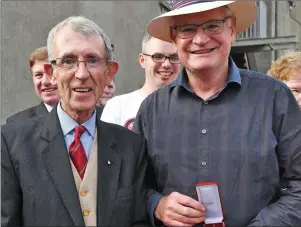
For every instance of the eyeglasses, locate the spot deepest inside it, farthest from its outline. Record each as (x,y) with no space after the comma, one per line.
(187,31)
(160,58)
(71,63)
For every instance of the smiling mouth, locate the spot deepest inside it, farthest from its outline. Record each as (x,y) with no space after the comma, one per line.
(165,73)
(203,51)
(49,90)
(82,89)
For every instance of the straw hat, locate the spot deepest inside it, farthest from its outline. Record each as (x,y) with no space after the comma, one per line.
(244,10)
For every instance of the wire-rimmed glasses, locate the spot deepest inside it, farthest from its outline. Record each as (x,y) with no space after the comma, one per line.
(187,31)
(160,58)
(71,63)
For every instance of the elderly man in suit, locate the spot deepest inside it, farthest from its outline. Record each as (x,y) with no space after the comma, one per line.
(45,90)
(69,168)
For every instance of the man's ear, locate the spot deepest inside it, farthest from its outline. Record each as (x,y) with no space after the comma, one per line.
(49,71)
(233,29)
(141,59)
(113,67)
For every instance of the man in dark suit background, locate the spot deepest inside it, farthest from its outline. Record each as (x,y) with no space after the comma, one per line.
(68,168)
(44,89)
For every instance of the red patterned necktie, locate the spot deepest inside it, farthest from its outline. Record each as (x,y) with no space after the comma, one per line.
(77,151)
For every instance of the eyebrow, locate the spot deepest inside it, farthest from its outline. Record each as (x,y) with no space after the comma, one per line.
(38,72)
(158,53)
(67,55)
(295,86)
(72,55)
(89,55)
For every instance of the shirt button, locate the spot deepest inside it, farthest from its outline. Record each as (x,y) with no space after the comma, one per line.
(204,163)
(86,212)
(204,131)
(83,193)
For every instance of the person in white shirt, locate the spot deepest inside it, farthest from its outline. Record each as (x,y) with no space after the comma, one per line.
(45,89)
(161,64)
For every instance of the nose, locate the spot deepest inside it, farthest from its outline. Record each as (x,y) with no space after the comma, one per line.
(82,72)
(201,38)
(45,80)
(106,90)
(166,63)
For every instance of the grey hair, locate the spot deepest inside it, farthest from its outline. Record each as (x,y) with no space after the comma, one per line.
(147,37)
(83,26)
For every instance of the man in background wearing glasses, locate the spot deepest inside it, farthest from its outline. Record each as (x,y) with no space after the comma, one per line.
(69,168)
(161,65)
(217,123)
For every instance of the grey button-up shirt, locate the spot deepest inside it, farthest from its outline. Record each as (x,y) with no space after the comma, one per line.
(245,137)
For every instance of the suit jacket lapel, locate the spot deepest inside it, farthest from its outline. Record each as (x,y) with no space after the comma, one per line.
(56,160)
(40,110)
(98,111)
(108,172)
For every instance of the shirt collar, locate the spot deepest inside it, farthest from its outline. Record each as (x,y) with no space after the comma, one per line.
(68,124)
(233,77)
(48,107)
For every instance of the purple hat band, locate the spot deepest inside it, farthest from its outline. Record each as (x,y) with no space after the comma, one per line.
(176,4)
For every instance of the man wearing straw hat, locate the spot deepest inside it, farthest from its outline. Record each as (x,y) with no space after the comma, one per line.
(218,123)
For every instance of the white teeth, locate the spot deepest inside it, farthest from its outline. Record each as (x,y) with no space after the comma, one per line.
(202,51)
(165,73)
(82,89)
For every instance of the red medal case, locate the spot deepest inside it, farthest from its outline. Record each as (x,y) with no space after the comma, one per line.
(208,195)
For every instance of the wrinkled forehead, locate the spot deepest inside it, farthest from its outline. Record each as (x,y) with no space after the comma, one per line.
(197,18)
(69,42)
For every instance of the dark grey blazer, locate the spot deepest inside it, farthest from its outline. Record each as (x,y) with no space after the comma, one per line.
(37,184)
(32,112)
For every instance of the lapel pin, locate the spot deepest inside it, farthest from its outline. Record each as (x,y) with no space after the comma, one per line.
(109,163)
